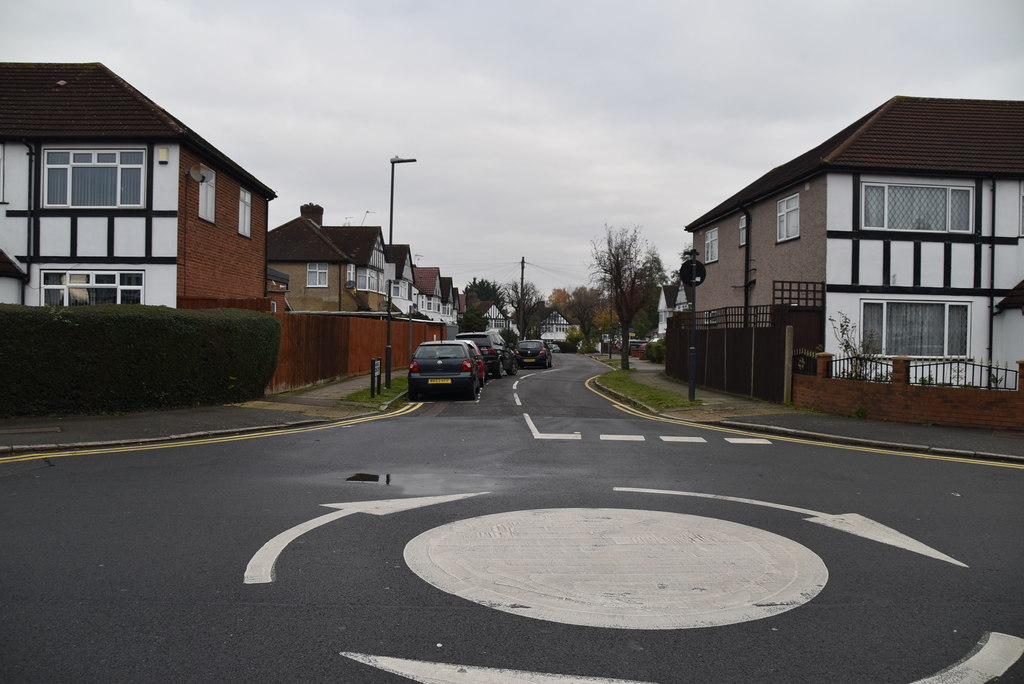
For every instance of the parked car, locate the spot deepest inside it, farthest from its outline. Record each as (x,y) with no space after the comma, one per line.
(533,353)
(447,366)
(496,353)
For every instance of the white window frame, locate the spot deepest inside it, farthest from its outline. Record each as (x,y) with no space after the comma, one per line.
(71,283)
(316,274)
(743,230)
(208,195)
(884,351)
(787,211)
(244,212)
(76,159)
(1022,209)
(711,245)
(950,189)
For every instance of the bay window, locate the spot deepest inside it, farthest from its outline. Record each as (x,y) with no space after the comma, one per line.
(929,329)
(94,178)
(90,288)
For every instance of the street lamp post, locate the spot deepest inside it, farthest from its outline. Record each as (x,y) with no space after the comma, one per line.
(391,225)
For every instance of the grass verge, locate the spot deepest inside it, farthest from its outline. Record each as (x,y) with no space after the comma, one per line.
(657,399)
(399,384)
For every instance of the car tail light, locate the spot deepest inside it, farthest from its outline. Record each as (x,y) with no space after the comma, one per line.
(467,365)
(542,352)
(414,367)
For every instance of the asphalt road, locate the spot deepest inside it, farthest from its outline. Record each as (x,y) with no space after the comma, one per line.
(540,531)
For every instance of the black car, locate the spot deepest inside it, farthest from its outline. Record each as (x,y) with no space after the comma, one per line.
(496,353)
(534,353)
(448,366)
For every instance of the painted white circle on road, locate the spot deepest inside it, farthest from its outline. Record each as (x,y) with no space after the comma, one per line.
(619,568)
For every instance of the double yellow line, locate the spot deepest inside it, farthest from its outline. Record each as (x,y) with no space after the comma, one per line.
(36,456)
(626,408)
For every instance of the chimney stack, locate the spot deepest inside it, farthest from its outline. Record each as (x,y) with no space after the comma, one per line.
(313,212)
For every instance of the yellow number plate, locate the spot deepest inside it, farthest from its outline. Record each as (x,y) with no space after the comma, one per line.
(439,381)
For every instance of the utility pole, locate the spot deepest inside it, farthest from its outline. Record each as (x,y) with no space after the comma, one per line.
(522,298)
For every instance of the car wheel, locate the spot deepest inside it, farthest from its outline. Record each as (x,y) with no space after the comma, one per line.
(514,369)
(474,391)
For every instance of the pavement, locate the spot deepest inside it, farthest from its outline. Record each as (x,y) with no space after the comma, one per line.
(327,403)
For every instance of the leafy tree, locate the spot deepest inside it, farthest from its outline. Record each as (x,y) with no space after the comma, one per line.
(472,321)
(627,266)
(559,299)
(484,290)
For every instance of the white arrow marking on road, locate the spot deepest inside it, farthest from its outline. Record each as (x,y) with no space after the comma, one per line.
(261,568)
(548,435)
(444,673)
(853,523)
(992,657)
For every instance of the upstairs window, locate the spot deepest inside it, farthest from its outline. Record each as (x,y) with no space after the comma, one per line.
(316,275)
(208,195)
(94,178)
(743,230)
(711,245)
(918,207)
(245,213)
(788,211)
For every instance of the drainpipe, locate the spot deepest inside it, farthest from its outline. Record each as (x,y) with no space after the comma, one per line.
(28,227)
(746,269)
(992,275)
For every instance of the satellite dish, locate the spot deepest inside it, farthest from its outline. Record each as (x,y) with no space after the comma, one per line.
(197,173)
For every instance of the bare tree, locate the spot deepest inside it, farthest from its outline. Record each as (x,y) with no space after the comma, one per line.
(584,305)
(526,303)
(626,266)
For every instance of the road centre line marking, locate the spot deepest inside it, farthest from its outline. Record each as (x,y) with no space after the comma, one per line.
(695,440)
(747,440)
(623,438)
(515,395)
(799,440)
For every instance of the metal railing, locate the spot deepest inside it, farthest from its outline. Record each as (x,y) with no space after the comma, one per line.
(864,368)
(945,373)
(956,373)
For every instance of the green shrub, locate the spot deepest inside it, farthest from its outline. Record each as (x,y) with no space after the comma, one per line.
(117,358)
(656,352)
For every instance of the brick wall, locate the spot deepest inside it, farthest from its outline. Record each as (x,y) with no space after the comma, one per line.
(902,402)
(214,259)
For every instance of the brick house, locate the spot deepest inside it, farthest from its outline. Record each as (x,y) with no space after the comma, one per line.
(108,198)
(912,218)
(331,268)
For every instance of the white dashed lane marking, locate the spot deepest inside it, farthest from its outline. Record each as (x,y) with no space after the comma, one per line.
(622,438)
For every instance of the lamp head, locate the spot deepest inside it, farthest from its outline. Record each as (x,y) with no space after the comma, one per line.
(400,160)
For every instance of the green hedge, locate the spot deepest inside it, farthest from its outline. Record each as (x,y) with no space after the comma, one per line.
(118,358)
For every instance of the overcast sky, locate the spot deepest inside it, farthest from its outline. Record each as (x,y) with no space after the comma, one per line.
(535,122)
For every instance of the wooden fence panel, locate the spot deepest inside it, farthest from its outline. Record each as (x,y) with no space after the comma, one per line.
(319,348)
(747,361)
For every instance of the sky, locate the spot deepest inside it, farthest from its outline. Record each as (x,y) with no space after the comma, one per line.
(535,123)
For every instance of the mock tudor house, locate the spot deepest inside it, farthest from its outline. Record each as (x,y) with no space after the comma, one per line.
(331,268)
(555,326)
(106,198)
(428,285)
(399,274)
(910,222)
(671,299)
